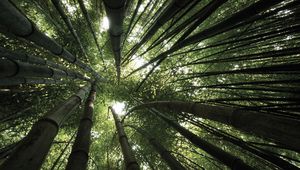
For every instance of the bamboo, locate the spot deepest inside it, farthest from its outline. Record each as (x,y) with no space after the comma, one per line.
(13,21)
(129,158)
(226,25)
(67,21)
(281,163)
(89,21)
(31,153)
(10,69)
(39,61)
(280,129)
(273,69)
(174,7)
(163,152)
(62,152)
(24,80)
(138,4)
(80,151)
(228,159)
(115,10)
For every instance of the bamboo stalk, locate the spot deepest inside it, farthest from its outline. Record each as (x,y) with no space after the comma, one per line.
(115,10)
(16,23)
(280,129)
(163,152)
(10,69)
(129,158)
(67,21)
(228,159)
(32,151)
(80,151)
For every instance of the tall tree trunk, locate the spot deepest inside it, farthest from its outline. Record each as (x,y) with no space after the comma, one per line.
(196,19)
(13,21)
(281,163)
(174,7)
(282,130)
(130,161)
(32,151)
(138,4)
(40,61)
(115,10)
(24,80)
(163,152)
(226,25)
(228,159)
(62,152)
(10,68)
(7,150)
(273,69)
(80,151)
(89,23)
(67,21)
(28,58)
(235,19)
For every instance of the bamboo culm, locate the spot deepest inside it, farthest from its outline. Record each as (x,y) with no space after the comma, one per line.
(32,151)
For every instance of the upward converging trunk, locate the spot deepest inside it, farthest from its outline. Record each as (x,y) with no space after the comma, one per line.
(281,163)
(226,158)
(132,19)
(273,69)
(195,20)
(163,152)
(13,21)
(115,10)
(130,161)
(235,20)
(80,152)
(33,149)
(44,64)
(89,22)
(174,7)
(53,167)
(25,80)
(29,58)
(67,21)
(11,68)
(280,129)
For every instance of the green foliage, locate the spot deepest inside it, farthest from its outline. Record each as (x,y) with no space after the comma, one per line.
(179,77)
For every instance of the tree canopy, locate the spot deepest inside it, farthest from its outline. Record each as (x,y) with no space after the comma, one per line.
(164,84)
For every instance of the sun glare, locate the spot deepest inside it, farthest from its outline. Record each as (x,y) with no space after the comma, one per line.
(138,61)
(119,107)
(71,9)
(104,24)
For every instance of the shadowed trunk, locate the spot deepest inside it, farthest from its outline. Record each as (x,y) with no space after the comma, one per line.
(10,69)
(280,129)
(33,149)
(129,158)
(262,153)
(23,80)
(115,10)
(40,61)
(163,152)
(29,58)
(65,18)
(79,156)
(237,19)
(13,21)
(174,7)
(89,21)
(226,158)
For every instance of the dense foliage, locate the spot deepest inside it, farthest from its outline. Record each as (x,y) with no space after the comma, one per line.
(217,52)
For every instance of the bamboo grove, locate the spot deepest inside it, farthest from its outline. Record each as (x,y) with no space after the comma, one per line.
(141,84)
